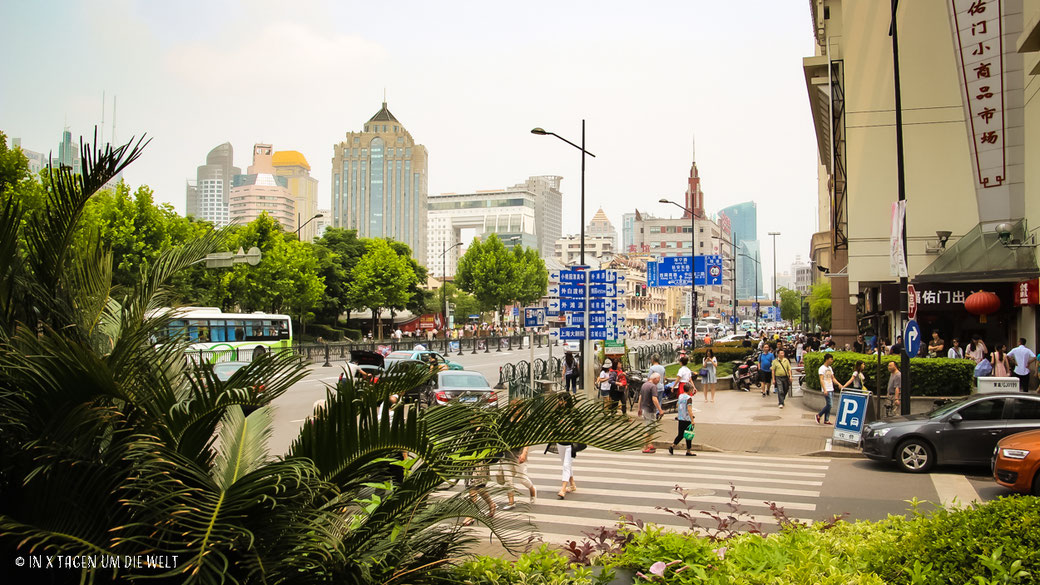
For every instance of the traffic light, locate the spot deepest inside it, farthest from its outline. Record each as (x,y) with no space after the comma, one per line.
(639,290)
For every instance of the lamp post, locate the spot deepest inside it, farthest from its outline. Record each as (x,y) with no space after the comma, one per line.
(693,254)
(444,276)
(585,346)
(904,361)
(298,217)
(774,235)
(758,266)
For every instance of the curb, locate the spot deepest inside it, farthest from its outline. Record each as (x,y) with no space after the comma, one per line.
(836,454)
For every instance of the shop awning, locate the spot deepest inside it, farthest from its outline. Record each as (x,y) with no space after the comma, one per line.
(980,256)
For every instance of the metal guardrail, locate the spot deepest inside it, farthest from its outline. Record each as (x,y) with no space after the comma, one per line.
(516,378)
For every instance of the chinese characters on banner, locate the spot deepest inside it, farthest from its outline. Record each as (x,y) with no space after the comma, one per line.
(1027,292)
(896,259)
(990,68)
(941,297)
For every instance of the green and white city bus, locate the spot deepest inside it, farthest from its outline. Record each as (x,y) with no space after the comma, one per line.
(219,337)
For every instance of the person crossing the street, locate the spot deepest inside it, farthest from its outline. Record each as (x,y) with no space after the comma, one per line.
(650,409)
(686,421)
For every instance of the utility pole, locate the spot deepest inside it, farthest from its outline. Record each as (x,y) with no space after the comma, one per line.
(904,361)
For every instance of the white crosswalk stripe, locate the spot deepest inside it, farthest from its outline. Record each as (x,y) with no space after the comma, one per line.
(611,485)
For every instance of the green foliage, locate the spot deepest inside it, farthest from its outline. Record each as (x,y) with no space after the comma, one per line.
(381,279)
(928,376)
(542,566)
(790,304)
(327,332)
(338,251)
(996,542)
(464,303)
(497,277)
(820,304)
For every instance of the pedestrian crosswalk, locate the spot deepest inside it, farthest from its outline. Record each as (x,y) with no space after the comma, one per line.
(610,485)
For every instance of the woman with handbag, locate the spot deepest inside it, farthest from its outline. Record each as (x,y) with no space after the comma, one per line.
(685,408)
(707,374)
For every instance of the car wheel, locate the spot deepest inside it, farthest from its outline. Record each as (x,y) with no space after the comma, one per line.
(915,456)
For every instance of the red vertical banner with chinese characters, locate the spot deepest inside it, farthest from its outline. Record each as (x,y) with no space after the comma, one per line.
(1027,292)
(990,70)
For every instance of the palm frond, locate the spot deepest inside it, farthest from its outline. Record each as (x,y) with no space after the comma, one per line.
(243,445)
(11,214)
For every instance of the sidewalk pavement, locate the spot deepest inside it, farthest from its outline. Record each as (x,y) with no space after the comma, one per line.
(747,422)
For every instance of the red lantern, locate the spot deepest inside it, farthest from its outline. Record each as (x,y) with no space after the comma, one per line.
(982,303)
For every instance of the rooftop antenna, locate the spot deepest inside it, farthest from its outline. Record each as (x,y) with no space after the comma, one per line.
(693,141)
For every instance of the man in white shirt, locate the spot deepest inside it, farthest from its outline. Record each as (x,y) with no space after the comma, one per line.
(1024,359)
(827,385)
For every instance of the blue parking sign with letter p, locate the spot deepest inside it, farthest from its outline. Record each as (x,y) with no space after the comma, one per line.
(852,411)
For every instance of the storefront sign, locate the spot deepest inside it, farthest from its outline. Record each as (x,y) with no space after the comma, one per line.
(985,34)
(933,297)
(1027,293)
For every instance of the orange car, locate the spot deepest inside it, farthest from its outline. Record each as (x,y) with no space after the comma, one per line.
(1016,462)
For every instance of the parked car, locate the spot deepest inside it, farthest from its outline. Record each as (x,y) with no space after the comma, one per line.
(1016,462)
(461,386)
(963,431)
(223,372)
(372,365)
(423,355)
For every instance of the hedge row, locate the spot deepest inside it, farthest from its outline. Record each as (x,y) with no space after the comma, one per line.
(723,354)
(996,542)
(928,376)
(329,333)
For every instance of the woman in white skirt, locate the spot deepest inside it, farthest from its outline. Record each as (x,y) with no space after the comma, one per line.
(709,366)
(567,460)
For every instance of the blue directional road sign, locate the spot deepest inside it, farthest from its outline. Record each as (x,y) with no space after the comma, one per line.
(677,271)
(595,319)
(569,276)
(674,271)
(567,291)
(571,333)
(651,274)
(602,304)
(602,290)
(534,317)
(707,270)
(568,305)
(603,276)
(912,338)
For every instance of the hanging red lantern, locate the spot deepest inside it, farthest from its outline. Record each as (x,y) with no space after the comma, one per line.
(982,303)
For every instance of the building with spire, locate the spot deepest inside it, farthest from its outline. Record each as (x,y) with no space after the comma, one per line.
(379,183)
(600,227)
(208,196)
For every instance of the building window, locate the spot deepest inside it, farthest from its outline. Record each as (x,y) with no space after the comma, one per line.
(375,213)
(366,127)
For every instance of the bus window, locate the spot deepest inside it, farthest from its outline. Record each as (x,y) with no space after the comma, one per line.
(283,329)
(270,332)
(216,330)
(198,330)
(254,330)
(235,330)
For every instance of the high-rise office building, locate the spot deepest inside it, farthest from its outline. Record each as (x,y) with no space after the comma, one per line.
(743,220)
(207,198)
(628,237)
(600,227)
(304,190)
(260,190)
(68,153)
(527,214)
(379,182)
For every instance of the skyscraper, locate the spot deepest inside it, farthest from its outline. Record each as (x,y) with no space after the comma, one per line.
(379,182)
(207,198)
(304,190)
(260,190)
(743,218)
(628,237)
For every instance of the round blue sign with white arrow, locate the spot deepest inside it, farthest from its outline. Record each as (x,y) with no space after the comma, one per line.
(912,338)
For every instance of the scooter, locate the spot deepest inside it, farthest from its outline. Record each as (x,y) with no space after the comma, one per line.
(746,374)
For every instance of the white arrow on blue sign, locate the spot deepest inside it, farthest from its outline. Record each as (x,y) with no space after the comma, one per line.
(571,333)
(572,304)
(912,338)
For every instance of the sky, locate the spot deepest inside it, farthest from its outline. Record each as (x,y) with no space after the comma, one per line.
(468,79)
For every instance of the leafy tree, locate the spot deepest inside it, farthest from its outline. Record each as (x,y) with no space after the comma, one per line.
(820,304)
(14,168)
(790,304)
(464,303)
(338,251)
(532,276)
(417,294)
(488,271)
(163,461)
(381,279)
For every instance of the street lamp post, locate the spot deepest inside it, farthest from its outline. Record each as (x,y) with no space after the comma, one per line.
(693,254)
(444,276)
(585,346)
(774,235)
(298,217)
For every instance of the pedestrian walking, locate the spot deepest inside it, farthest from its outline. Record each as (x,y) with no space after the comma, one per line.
(570,373)
(657,368)
(827,385)
(683,378)
(781,371)
(686,421)
(858,379)
(619,392)
(765,365)
(709,367)
(956,351)
(650,409)
(567,451)
(895,383)
(606,380)
(799,350)
(512,470)
(999,361)
(1024,360)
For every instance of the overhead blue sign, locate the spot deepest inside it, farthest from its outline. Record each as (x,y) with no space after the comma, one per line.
(603,276)
(852,410)
(707,270)
(568,291)
(534,317)
(569,276)
(602,290)
(651,274)
(912,338)
(678,271)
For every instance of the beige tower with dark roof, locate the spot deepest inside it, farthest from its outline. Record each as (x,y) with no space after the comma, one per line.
(379,183)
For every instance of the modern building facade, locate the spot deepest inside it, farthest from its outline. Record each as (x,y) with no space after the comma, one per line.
(37,160)
(528,214)
(209,195)
(379,183)
(303,187)
(968,83)
(568,249)
(322,223)
(600,227)
(628,225)
(743,221)
(260,190)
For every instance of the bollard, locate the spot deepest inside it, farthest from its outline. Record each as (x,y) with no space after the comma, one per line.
(327,363)
(498,344)
(487,345)
(460,345)
(474,338)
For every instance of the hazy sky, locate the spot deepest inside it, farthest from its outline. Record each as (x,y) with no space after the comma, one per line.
(467,79)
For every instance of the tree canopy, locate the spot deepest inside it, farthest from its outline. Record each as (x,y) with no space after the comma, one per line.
(790,304)
(820,304)
(497,277)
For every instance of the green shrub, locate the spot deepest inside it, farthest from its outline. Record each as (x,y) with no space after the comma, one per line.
(324,331)
(723,354)
(928,376)
(351,334)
